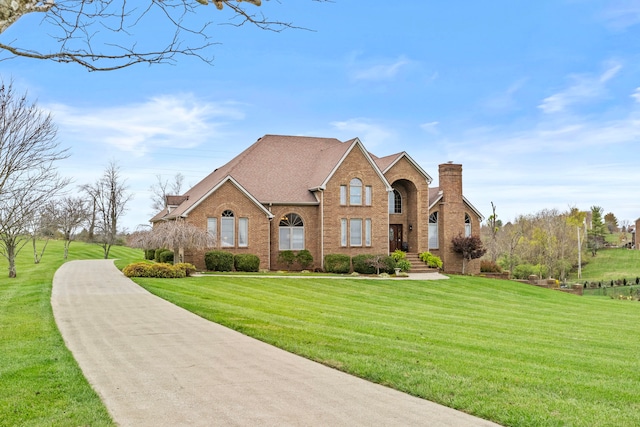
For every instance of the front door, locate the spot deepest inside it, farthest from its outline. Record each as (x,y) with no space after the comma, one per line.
(395,237)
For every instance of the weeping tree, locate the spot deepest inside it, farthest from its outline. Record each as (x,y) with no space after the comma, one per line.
(29,151)
(104,35)
(174,235)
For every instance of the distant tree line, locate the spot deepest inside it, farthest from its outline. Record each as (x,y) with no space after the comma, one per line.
(549,243)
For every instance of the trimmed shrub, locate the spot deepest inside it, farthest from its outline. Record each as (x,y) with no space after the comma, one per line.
(188,268)
(287,257)
(166,256)
(431,260)
(156,255)
(337,263)
(364,264)
(166,271)
(138,269)
(487,266)
(403,265)
(246,262)
(219,261)
(305,259)
(158,270)
(149,254)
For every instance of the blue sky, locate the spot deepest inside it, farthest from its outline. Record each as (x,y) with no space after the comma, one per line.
(539,101)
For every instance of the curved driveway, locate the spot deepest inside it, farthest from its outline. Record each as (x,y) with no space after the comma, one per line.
(155,364)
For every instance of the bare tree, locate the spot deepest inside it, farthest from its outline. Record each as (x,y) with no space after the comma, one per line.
(163,188)
(103,35)
(177,235)
(110,197)
(67,215)
(28,177)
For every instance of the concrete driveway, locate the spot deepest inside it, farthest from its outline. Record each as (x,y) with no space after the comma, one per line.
(155,364)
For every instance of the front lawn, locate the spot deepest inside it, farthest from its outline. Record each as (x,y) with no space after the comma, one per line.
(40,381)
(508,352)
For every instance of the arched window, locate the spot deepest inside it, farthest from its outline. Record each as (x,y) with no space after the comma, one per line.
(227,229)
(291,229)
(467,225)
(395,202)
(355,192)
(433,231)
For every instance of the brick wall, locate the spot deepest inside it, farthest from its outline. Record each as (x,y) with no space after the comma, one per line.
(355,165)
(228,196)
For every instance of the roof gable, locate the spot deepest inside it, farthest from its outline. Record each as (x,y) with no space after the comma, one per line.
(387,162)
(355,143)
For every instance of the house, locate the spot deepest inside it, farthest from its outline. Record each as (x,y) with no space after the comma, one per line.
(326,196)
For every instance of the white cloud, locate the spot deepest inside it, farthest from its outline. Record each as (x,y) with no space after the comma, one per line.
(368,70)
(636,95)
(621,15)
(371,134)
(179,121)
(582,89)
(431,127)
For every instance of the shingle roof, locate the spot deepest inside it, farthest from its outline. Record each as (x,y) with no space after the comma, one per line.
(275,169)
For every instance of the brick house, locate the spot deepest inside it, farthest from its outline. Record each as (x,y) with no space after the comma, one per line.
(326,196)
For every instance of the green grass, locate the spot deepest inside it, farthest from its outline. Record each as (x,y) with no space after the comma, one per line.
(40,382)
(512,353)
(611,264)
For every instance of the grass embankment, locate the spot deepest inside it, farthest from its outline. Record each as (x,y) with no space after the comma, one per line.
(40,382)
(508,352)
(607,265)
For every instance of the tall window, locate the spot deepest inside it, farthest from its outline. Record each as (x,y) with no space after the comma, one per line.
(355,192)
(291,232)
(343,232)
(368,192)
(467,225)
(395,202)
(212,227)
(355,232)
(227,229)
(367,232)
(243,232)
(343,195)
(433,231)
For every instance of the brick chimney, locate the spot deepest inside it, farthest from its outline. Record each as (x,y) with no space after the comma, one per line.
(452,212)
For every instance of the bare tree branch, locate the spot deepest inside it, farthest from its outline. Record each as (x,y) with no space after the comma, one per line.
(105,35)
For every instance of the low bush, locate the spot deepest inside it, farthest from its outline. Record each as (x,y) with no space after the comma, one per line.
(138,269)
(364,264)
(156,255)
(305,259)
(287,257)
(403,265)
(149,254)
(397,255)
(219,261)
(246,262)
(166,256)
(431,260)
(188,268)
(158,270)
(337,263)
(523,271)
(487,266)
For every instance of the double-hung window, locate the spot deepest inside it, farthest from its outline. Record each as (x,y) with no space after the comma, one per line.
(227,229)
(291,232)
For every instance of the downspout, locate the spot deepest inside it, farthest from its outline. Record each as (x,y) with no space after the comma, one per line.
(322,229)
(269,238)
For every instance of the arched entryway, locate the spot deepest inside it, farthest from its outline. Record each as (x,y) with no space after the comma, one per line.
(403,216)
